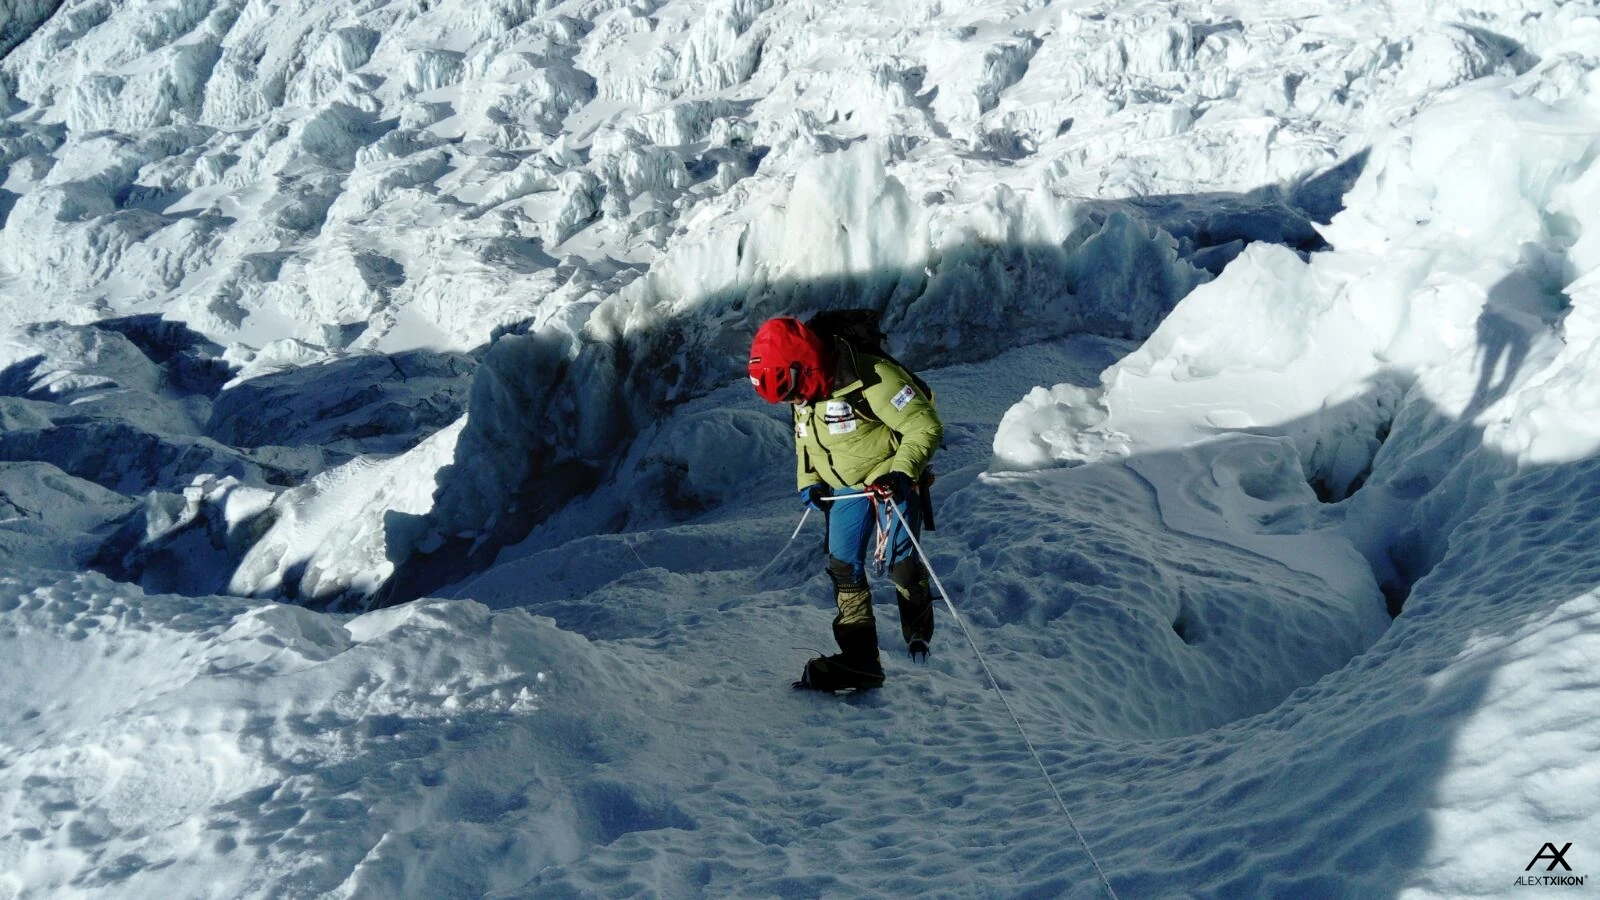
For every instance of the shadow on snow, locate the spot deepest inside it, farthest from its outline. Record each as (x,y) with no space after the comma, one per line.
(582,411)
(571,412)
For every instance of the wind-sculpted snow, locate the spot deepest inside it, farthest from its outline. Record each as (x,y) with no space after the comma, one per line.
(351,757)
(208,450)
(406,177)
(1337,354)
(1265,340)
(1069,565)
(19,19)
(276,113)
(382,404)
(50,517)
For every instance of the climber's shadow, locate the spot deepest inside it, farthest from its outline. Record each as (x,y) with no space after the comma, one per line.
(1519,307)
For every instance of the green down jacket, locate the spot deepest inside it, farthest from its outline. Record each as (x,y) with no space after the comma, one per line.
(875,421)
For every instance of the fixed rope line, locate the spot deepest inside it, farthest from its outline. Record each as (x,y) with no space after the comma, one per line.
(960,623)
(785,548)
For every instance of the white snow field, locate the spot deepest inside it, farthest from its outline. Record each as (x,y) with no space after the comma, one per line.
(384,512)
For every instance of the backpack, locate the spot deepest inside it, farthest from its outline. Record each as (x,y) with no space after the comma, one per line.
(859,328)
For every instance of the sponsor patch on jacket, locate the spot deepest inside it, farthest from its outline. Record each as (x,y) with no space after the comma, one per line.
(800,428)
(840,417)
(905,396)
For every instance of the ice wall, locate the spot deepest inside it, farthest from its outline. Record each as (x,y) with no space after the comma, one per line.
(1443,342)
(284,168)
(398,176)
(552,413)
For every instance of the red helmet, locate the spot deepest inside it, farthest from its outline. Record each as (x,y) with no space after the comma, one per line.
(786,362)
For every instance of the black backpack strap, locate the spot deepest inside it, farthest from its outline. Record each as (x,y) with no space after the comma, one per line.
(860,406)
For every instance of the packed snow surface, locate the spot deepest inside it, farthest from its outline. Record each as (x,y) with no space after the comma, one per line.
(384,512)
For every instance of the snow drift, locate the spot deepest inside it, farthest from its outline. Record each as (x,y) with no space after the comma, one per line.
(1250,329)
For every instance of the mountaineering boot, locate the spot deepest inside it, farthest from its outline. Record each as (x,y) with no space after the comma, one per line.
(917,649)
(855,667)
(916,606)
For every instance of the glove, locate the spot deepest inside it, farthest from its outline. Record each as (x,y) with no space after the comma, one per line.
(894,486)
(811,495)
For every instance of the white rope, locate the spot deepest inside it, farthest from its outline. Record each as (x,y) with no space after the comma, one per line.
(629,543)
(1104,882)
(797,528)
(785,547)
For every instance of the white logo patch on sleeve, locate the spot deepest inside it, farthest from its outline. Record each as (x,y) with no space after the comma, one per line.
(905,396)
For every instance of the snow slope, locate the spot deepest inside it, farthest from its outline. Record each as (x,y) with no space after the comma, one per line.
(384,512)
